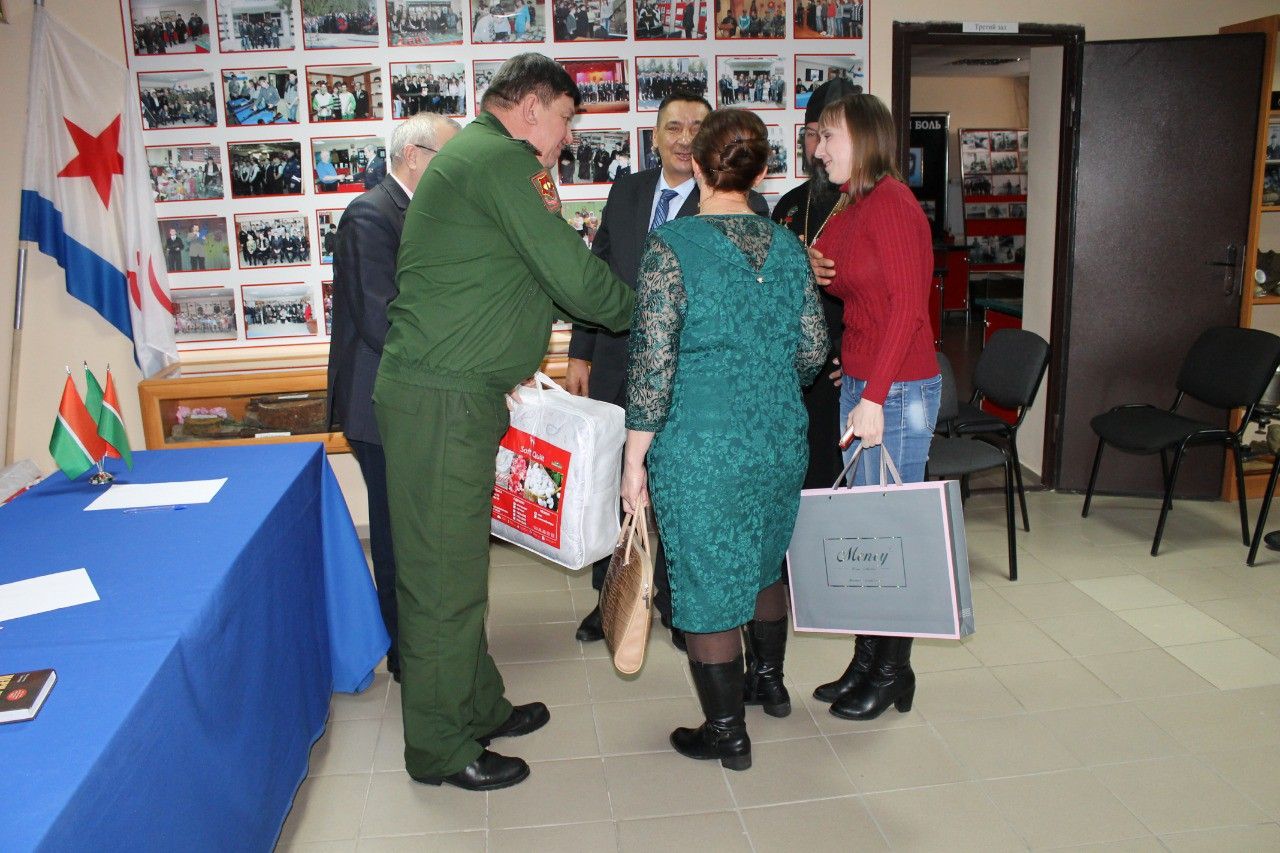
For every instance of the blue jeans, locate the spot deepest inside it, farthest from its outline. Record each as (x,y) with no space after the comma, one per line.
(910,415)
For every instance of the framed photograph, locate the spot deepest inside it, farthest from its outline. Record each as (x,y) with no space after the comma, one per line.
(751,19)
(430,87)
(344,92)
(1004,140)
(596,157)
(589,20)
(1004,163)
(276,238)
(279,310)
(185,172)
(602,82)
(976,184)
(1273,140)
(1024,137)
(802,164)
(327,222)
(349,164)
(1017,210)
(177,99)
(659,76)
(812,70)
(253,96)
(421,24)
(975,139)
(975,161)
(583,216)
(203,314)
(508,21)
(482,71)
(1008,184)
(194,244)
(1275,100)
(649,158)
(779,156)
(169,26)
(815,19)
(1271,184)
(915,167)
(326,301)
(249,25)
(755,82)
(671,19)
(328,24)
(271,167)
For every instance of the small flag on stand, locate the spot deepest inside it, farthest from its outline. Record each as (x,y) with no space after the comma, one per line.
(75,445)
(111,425)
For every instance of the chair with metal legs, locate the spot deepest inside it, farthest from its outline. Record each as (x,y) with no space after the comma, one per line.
(1008,373)
(956,457)
(1227,368)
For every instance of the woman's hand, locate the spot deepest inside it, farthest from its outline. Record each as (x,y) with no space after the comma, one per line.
(824,269)
(835,375)
(867,422)
(635,488)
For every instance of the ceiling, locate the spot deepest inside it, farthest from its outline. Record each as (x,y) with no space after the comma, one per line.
(940,60)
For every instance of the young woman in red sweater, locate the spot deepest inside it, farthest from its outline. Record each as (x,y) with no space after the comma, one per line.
(879,239)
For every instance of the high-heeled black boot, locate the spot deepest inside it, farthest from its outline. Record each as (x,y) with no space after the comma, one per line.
(723,735)
(891,683)
(864,655)
(766,645)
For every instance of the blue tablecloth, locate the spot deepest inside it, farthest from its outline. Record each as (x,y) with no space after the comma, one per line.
(189,696)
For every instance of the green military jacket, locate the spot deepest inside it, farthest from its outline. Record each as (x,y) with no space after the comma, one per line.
(485,260)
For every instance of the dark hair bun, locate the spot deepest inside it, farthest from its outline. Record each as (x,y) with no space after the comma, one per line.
(731,148)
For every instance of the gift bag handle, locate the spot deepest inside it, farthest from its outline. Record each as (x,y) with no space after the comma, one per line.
(886,463)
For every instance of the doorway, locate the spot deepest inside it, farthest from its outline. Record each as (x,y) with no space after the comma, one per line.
(1003,226)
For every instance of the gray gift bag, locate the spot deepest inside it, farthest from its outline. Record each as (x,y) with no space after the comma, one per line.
(889,559)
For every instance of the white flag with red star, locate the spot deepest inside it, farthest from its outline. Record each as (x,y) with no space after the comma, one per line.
(86,192)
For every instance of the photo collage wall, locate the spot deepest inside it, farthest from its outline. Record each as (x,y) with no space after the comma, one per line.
(993,167)
(264,118)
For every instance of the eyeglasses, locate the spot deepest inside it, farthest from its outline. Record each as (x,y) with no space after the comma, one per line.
(425,148)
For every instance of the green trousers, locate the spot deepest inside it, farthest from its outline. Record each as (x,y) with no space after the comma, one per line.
(440,447)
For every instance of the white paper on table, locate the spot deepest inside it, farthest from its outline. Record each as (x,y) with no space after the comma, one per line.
(45,593)
(137,495)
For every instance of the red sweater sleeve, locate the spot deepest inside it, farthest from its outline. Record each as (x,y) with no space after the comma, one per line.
(896,245)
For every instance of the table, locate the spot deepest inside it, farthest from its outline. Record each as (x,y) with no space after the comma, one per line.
(189,696)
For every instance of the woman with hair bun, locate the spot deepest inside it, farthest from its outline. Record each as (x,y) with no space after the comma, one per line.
(727,329)
(879,239)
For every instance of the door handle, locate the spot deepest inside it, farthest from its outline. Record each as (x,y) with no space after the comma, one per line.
(1233,272)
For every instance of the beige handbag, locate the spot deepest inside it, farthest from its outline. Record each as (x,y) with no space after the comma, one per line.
(626,596)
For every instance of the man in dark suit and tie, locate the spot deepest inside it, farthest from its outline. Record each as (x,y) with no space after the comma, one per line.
(364,283)
(637,204)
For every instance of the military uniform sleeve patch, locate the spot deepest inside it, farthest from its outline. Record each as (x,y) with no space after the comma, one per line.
(546,188)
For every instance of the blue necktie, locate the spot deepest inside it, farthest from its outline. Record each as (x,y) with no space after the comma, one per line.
(664,206)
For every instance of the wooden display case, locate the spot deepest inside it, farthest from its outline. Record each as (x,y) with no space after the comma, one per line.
(1258,309)
(219,403)
(264,401)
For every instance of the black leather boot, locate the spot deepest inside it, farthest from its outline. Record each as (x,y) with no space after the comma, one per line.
(864,654)
(766,645)
(724,733)
(891,683)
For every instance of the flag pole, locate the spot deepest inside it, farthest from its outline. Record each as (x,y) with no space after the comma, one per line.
(15,347)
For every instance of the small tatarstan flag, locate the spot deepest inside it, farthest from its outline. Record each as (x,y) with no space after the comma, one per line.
(111,425)
(75,436)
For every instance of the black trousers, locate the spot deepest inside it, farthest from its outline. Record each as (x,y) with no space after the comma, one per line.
(373,467)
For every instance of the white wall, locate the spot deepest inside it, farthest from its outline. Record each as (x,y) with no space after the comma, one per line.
(1044,109)
(61,330)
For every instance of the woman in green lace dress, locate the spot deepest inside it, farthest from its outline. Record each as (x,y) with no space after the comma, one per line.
(726,331)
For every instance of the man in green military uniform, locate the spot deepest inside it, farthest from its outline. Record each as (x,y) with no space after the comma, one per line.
(486,263)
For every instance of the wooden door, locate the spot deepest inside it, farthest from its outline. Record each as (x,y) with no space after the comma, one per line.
(1167,134)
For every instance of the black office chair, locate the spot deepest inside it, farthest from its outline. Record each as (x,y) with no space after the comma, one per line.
(1227,368)
(1008,373)
(954,457)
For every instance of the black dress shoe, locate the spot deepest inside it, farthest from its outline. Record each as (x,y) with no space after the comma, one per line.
(523,720)
(591,630)
(489,772)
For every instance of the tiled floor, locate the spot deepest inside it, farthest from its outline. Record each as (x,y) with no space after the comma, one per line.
(1108,699)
